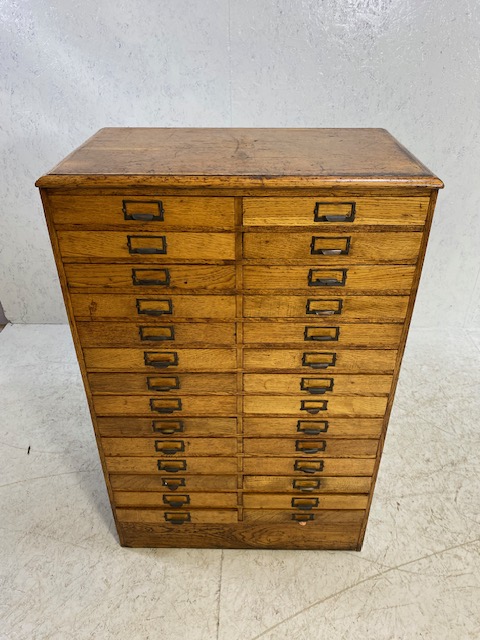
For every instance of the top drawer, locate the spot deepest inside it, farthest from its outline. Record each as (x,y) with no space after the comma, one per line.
(152,212)
(325,212)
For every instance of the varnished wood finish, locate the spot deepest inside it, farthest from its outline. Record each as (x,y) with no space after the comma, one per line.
(239,301)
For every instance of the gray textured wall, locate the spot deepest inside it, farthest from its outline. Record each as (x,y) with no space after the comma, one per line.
(71,67)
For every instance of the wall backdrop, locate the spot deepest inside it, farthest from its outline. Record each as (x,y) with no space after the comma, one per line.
(70,67)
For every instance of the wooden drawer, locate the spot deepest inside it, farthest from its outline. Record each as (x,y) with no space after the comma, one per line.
(353,406)
(138,278)
(176,445)
(174,483)
(135,427)
(176,500)
(312,332)
(308,466)
(316,385)
(88,246)
(178,405)
(282,484)
(312,248)
(316,307)
(151,360)
(148,308)
(138,383)
(344,517)
(334,279)
(303,503)
(313,427)
(143,212)
(323,212)
(343,360)
(176,517)
(175,466)
(310,446)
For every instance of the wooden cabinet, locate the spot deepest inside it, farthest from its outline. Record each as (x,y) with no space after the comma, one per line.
(239,301)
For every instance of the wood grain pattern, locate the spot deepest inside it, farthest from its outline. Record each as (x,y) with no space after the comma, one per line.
(315,359)
(203,465)
(134,426)
(317,385)
(318,426)
(152,385)
(272,466)
(347,406)
(175,483)
(171,359)
(305,446)
(178,405)
(168,501)
(284,502)
(286,484)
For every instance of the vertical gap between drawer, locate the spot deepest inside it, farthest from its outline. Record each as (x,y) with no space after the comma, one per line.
(239,346)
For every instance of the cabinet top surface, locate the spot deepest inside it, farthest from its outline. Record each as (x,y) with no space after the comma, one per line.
(240,157)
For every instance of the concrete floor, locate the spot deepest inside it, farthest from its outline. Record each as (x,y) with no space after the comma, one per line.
(63,575)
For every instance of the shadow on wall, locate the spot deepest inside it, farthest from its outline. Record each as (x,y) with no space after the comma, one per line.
(3,319)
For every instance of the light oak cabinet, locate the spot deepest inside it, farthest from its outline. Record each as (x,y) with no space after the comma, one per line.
(239,301)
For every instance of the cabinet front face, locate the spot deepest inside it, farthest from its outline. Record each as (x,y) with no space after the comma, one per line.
(240,349)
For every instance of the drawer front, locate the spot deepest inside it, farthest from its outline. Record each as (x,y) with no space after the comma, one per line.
(360,361)
(135,427)
(151,360)
(309,467)
(342,517)
(325,212)
(80,246)
(338,279)
(313,427)
(151,308)
(178,405)
(310,446)
(303,503)
(149,212)
(297,406)
(312,332)
(174,466)
(173,483)
(317,386)
(175,500)
(316,307)
(138,383)
(137,278)
(329,248)
(170,446)
(305,486)
(176,517)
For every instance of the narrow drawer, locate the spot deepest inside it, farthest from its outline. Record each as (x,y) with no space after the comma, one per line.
(343,360)
(135,278)
(302,503)
(173,483)
(310,446)
(128,334)
(135,427)
(148,308)
(305,486)
(139,383)
(308,467)
(349,279)
(149,212)
(80,246)
(325,212)
(316,385)
(313,427)
(173,446)
(325,407)
(178,405)
(330,248)
(150,360)
(312,332)
(175,500)
(176,517)
(316,307)
(344,517)
(173,466)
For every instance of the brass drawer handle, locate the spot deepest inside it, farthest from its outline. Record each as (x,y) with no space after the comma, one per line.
(323,277)
(160,359)
(134,248)
(177,518)
(143,210)
(316,386)
(313,406)
(168,427)
(326,360)
(163,383)
(172,466)
(170,448)
(154,307)
(172,484)
(176,501)
(310,447)
(328,246)
(320,212)
(306,485)
(165,405)
(312,427)
(317,307)
(157,334)
(151,277)
(321,334)
(303,517)
(304,503)
(309,466)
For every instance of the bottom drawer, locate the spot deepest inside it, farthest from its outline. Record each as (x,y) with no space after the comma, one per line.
(309,467)
(159,516)
(173,483)
(164,466)
(345,517)
(304,503)
(307,485)
(175,500)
